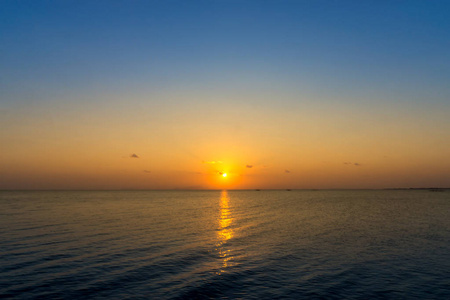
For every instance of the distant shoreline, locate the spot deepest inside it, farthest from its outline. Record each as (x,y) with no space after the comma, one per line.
(433,189)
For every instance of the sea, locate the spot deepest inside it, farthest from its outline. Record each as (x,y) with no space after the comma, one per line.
(299,244)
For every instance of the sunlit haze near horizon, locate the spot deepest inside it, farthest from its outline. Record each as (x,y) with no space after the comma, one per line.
(224,94)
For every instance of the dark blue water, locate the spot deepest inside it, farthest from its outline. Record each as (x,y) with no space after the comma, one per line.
(225,245)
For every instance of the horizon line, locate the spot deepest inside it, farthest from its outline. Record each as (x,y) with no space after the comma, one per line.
(249,189)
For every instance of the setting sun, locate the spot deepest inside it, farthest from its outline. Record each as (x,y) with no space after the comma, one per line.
(224,175)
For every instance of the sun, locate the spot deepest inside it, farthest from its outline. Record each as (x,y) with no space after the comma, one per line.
(224,174)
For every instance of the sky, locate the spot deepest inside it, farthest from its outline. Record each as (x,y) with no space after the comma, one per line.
(173,94)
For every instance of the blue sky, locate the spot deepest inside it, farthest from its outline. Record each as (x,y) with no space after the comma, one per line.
(54,47)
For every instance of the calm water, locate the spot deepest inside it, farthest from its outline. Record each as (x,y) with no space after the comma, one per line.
(226,245)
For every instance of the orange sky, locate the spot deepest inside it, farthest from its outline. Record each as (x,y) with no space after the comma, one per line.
(76,147)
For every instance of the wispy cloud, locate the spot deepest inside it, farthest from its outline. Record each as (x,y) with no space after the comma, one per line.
(249,166)
(147,171)
(287,171)
(134,155)
(352,164)
(211,162)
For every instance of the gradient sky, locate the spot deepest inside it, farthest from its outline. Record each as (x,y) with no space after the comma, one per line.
(277,94)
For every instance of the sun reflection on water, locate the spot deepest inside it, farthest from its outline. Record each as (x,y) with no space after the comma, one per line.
(225,232)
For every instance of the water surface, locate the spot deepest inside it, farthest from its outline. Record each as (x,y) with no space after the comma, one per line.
(225,245)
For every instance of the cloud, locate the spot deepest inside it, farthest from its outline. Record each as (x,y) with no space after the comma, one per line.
(249,166)
(146,171)
(134,155)
(287,171)
(211,162)
(352,164)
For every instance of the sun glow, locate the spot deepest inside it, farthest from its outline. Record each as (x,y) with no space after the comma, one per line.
(224,175)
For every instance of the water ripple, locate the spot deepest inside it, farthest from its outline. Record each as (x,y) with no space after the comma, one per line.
(225,245)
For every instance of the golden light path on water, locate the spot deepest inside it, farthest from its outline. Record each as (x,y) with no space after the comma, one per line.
(225,232)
